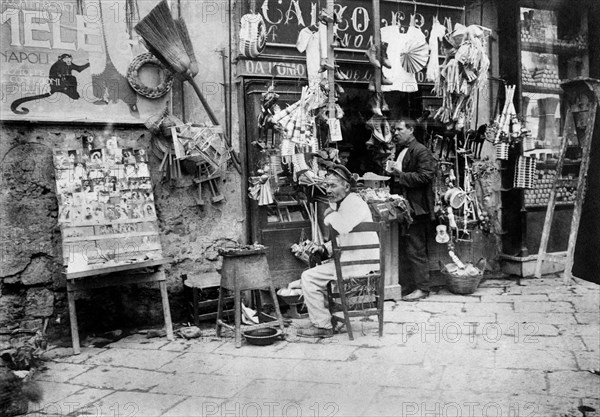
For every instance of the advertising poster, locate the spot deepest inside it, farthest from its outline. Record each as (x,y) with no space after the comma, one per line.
(68,61)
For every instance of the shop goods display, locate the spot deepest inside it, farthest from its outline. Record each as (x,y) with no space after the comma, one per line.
(541,77)
(437,33)
(535,33)
(525,172)
(463,73)
(200,143)
(106,206)
(539,193)
(414,52)
(253,33)
(163,37)
(463,278)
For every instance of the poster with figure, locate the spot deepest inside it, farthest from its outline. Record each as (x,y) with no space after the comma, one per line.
(105,220)
(67,60)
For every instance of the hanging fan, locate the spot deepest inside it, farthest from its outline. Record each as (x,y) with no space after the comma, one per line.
(414,52)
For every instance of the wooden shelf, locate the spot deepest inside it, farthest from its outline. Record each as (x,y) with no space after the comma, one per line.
(528,88)
(558,204)
(552,164)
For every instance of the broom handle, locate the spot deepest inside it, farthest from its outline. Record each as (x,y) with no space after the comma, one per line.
(215,121)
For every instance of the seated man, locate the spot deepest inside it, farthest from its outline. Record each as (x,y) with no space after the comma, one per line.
(350,210)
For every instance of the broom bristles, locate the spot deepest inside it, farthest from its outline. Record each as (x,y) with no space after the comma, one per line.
(184,34)
(160,33)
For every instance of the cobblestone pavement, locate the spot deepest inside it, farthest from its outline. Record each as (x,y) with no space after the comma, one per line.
(514,348)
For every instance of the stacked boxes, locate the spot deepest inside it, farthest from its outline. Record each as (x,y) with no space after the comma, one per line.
(541,78)
(566,190)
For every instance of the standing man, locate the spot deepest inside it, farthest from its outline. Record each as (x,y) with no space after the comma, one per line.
(347,210)
(413,172)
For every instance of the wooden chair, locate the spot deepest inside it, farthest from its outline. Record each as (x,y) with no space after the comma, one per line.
(358,296)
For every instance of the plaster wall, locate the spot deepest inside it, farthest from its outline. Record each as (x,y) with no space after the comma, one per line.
(31,287)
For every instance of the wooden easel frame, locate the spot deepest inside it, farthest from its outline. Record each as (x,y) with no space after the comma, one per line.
(105,277)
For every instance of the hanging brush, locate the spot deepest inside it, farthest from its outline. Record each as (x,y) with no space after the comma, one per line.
(184,34)
(162,37)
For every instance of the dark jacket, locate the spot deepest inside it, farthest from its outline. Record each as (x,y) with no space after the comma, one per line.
(415,182)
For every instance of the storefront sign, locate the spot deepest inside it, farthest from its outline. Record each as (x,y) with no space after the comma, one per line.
(67,60)
(297,70)
(272,69)
(285,18)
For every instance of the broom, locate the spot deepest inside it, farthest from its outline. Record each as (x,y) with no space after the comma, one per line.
(184,34)
(162,37)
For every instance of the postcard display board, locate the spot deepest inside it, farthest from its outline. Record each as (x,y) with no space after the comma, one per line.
(106,207)
(108,221)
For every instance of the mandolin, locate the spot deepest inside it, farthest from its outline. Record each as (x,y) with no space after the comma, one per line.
(441,234)
(253,33)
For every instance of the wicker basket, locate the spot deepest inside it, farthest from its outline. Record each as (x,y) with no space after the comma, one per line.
(463,284)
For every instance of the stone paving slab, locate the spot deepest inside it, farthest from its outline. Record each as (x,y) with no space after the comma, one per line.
(537,318)
(587,360)
(133,404)
(275,390)
(53,394)
(334,372)
(519,342)
(587,318)
(400,316)
(512,298)
(496,380)
(450,355)
(455,402)
(549,360)
(328,349)
(197,406)
(199,385)
(140,342)
(62,372)
(463,323)
(543,307)
(192,362)
(574,384)
(393,401)
(542,405)
(343,399)
(80,400)
(116,378)
(65,354)
(592,342)
(132,358)
(389,354)
(259,368)
(439,307)
(483,309)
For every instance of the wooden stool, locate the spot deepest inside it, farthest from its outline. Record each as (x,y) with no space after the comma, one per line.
(197,283)
(241,271)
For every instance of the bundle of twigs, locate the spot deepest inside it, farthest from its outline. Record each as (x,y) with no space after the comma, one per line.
(170,42)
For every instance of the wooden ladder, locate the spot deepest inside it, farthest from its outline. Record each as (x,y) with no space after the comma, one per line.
(582,95)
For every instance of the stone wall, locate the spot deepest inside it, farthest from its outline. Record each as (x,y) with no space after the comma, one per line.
(31,286)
